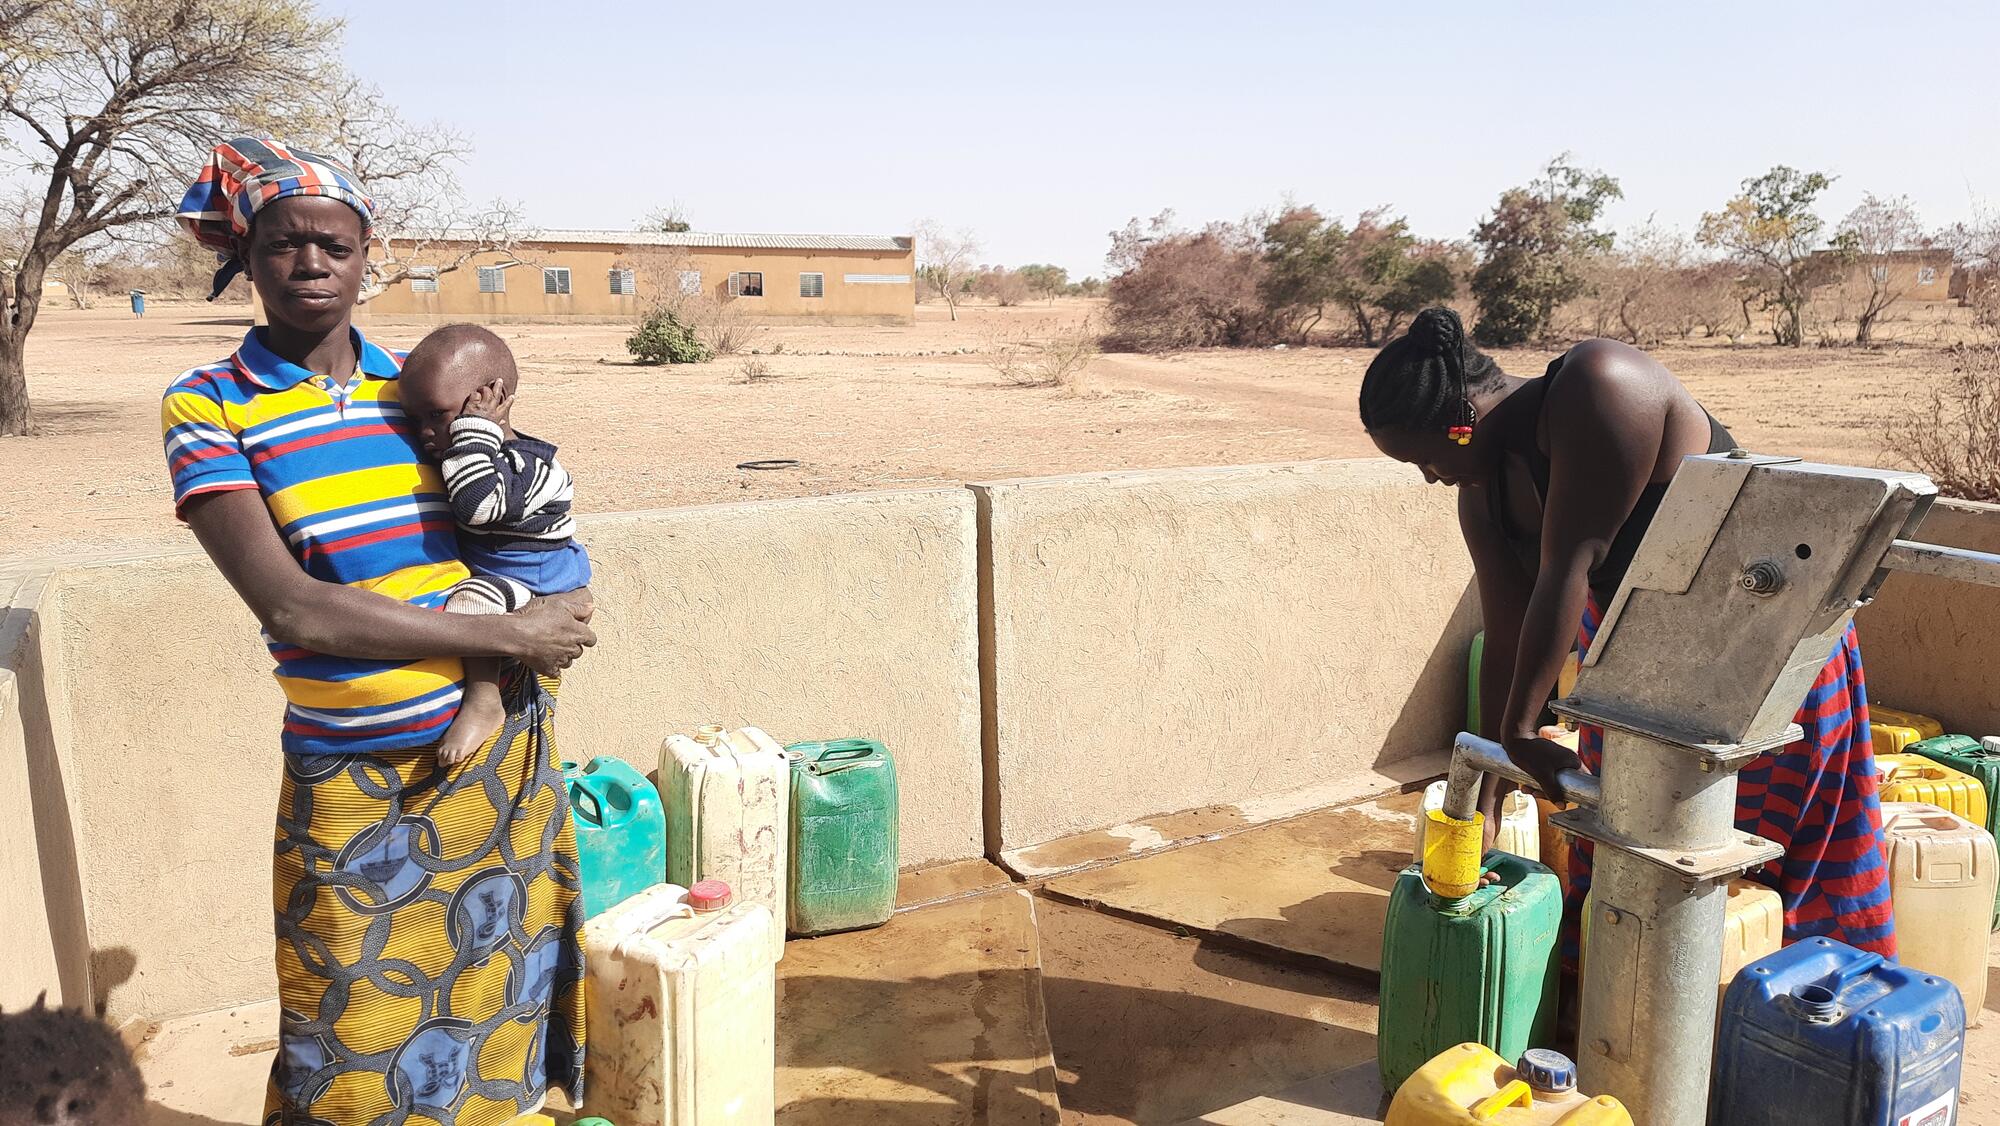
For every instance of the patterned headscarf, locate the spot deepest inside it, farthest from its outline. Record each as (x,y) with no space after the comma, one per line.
(244,175)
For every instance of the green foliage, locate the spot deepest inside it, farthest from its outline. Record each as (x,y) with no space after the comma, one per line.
(1535,250)
(1772,229)
(1301,250)
(1044,280)
(1385,274)
(664,338)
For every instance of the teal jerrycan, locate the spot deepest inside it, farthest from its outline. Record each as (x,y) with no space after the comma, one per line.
(621,831)
(844,839)
(1478,970)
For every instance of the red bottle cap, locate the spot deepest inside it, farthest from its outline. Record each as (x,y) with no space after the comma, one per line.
(708,895)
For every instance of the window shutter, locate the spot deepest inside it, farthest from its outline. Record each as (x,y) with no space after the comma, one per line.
(812,285)
(492,279)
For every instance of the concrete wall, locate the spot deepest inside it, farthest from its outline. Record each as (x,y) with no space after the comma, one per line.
(1929,644)
(1179,638)
(44,945)
(1154,641)
(657,270)
(815,618)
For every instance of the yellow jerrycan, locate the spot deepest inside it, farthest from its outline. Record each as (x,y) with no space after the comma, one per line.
(1470,1086)
(1894,730)
(1914,778)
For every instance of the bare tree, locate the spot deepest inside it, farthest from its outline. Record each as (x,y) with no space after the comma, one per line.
(1871,238)
(1976,246)
(423,225)
(111,97)
(946,261)
(670,219)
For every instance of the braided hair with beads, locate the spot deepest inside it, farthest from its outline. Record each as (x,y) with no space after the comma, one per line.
(1422,379)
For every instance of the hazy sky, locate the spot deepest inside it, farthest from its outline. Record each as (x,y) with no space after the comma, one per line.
(1042,126)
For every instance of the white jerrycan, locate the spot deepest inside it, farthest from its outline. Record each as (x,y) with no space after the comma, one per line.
(682,1012)
(727,796)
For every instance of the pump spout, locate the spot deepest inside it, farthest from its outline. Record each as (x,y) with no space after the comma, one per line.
(1454,835)
(1472,757)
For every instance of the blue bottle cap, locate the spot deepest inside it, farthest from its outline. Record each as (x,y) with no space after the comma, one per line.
(1546,1070)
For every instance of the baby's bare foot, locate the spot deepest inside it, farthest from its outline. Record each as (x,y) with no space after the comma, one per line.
(479,716)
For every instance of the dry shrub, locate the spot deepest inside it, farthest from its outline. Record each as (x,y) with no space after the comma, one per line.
(1182,289)
(1952,433)
(722,323)
(1058,359)
(756,371)
(1000,285)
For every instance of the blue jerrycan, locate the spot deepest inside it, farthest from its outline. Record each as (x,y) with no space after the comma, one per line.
(621,831)
(1821,1032)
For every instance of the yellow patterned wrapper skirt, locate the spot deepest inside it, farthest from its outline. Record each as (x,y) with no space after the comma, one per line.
(429,932)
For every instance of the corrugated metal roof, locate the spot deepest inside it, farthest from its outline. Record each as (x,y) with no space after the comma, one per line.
(717,241)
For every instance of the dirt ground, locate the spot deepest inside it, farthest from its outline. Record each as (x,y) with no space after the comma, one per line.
(859,407)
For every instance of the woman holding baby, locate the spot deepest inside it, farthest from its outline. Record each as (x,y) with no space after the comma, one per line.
(427,912)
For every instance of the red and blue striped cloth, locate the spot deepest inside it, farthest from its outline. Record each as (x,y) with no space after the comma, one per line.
(1817,798)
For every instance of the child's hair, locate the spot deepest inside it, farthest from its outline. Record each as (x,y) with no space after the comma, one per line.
(59,1067)
(453,338)
(1420,379)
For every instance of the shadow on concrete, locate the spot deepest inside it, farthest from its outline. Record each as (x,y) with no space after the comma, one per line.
(232,322)
(1419,727)
(1162,1055)
(157,1115)
(110,968)
(967,1039)
(49,805)
(1150,1027)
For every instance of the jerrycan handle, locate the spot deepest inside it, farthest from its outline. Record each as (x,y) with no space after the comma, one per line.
(1515,1093)
(842,755)
(578,791)
(578,794)
(1866,963)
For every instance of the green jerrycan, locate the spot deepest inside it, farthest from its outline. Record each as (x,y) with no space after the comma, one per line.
(843,836)
(1481,970)
(621,831)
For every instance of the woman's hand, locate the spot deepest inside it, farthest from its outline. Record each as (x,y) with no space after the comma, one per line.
(554,631)
(1543,759)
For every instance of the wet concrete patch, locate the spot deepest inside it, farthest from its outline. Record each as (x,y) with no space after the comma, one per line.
(1315,887)
(1148,1027)
(935,1018)
(1119,843)
(944,882)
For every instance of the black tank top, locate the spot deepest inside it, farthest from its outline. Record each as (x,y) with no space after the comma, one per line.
(1605,578)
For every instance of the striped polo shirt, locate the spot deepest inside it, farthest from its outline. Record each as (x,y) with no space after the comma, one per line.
(349,489)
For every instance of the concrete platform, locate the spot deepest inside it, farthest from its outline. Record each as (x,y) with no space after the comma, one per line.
(1156,834)
(1149,1027)
(935,1018)
(1346,1098)
(208,1069)
(945,882)
(1315,887)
